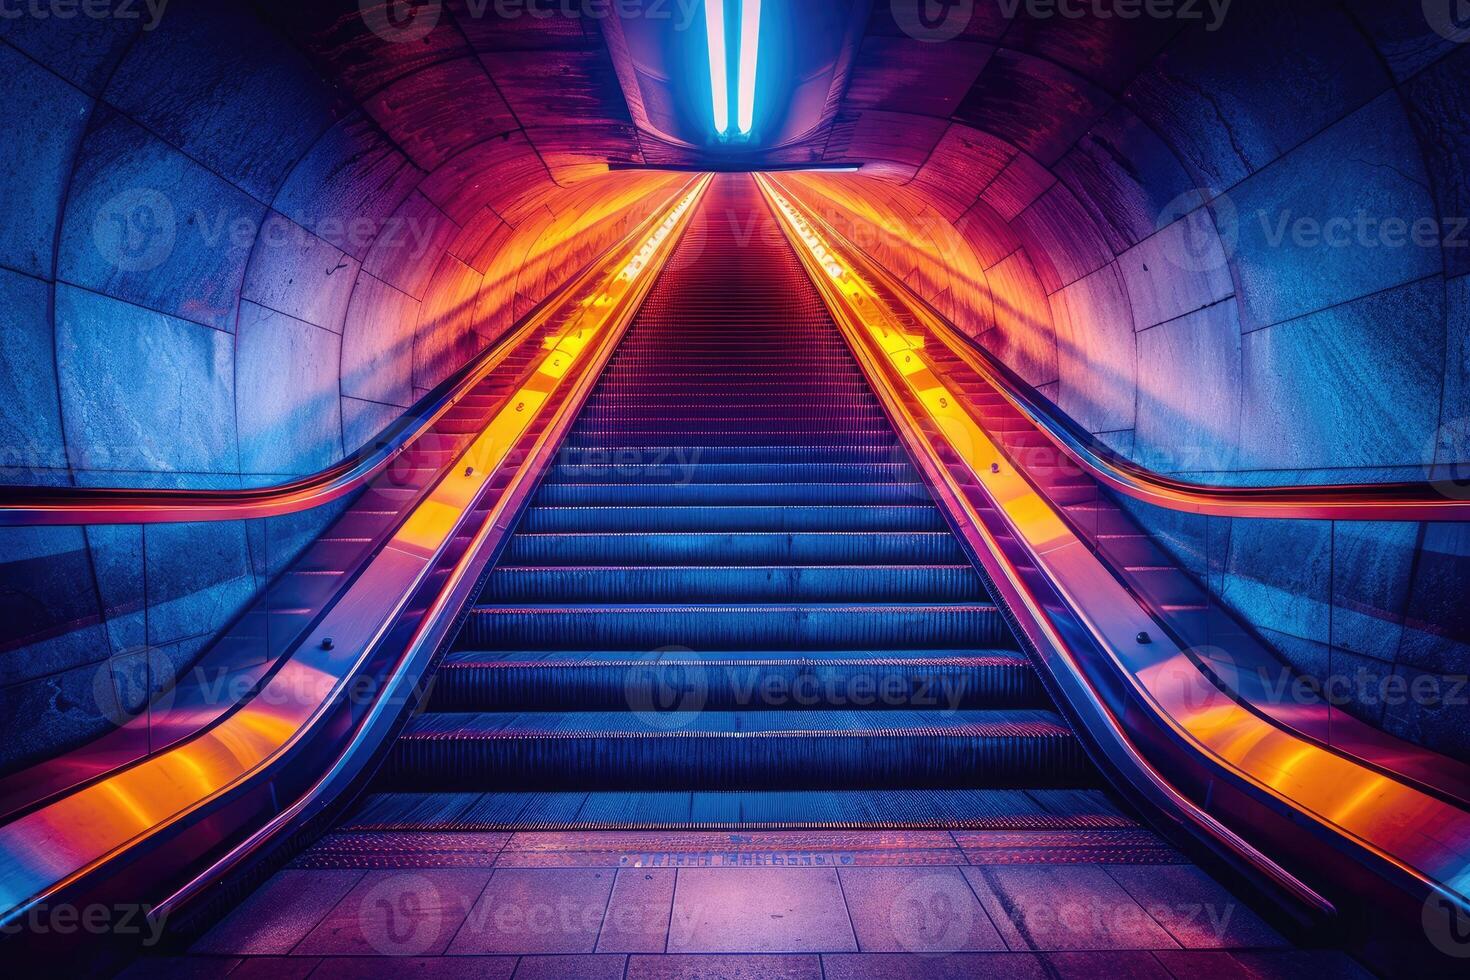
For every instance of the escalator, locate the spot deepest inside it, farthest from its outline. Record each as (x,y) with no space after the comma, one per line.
(731,626)
(733,603)
(708,599)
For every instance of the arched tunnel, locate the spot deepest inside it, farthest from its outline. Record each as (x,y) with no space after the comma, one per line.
(995,470)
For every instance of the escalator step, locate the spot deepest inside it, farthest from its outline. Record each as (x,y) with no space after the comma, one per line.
(618,681)
(737,627)
(566,520)
(733,364)
(689,417)
(694,470)
(765,388)
(656,405)
(777,365)
(970,809)
(734,549)
(752,583)
(736,750)
(753,435)
(621,454)
(728,494)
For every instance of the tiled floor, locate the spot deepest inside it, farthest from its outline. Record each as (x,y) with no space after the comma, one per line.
(819,905)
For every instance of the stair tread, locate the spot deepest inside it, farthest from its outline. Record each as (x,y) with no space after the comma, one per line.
(731,535)
(879,566)
(725,583)
(575,658)
(973,723)
(711,518)
(753,607)
(989,809)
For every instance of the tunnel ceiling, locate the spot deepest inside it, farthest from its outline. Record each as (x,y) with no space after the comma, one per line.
(806,53)
(596,89)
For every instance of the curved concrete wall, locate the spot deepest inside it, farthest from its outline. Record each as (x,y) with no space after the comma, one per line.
(1237,255)
(232,249)
(219,267)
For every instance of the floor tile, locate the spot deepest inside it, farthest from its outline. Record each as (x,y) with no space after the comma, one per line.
(1189,964)
(637,919)
(1120,964)
(416,968)
(1068,908)
(1274,965)
(1303,964)
(916,910)
(279,914)
(397,913)
(953,966)
(1197,911)
(747,907)
(571,967)
(759,849)
(274,968)
(777,841)
(759,910)
(540,911)
(724,968)
(177,968)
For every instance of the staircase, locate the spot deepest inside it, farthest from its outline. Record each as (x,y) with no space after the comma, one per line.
(733,603)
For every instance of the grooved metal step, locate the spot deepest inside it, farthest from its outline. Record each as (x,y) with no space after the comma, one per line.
(904,517)
(697,471)
(529,680)
(727,494)
(736,548)
(665,455)
(969,809)
(749,583)
(737,627)
(735,750)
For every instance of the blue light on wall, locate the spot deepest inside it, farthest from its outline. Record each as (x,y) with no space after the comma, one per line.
(719,64)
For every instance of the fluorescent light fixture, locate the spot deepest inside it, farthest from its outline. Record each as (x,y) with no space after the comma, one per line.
(719,64)
(750,42)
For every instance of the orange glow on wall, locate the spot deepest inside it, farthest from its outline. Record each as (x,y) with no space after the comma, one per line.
(44,849)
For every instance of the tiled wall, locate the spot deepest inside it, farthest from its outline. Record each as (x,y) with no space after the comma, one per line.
(1113,231)
(223,265)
